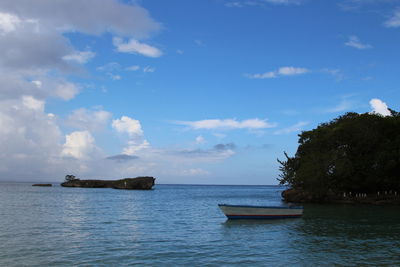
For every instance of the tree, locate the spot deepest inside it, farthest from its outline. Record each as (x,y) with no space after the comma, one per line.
(69,178)
(354,152)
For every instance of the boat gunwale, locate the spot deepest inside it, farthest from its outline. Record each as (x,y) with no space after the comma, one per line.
(260,207)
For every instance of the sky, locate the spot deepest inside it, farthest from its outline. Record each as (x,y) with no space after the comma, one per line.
(190,92)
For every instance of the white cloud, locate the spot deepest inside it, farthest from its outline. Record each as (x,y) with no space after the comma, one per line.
(355,42)
(134,147)
(234,4)
(135,47)
(111,16)
(292,129)
(128,125)
(200,139)
(37,83)
(111,66)
(282,2)
(114,77)
(79,145)
(282,71)
(91,120)
(33,103)
(261,3)
(379,107)
(149,69)
(66,90)
(80,57)
(394,21)
(8,22)
(133,68)
(227,124)
(265,75)
(134,130)
(29,139)
(33,44)
(287,71)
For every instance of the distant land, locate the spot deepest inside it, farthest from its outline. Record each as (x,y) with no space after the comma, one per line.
(139,183)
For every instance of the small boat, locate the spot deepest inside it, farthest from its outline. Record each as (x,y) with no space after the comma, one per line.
(260,212)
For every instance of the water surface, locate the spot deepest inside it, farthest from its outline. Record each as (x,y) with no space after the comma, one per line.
(175,225)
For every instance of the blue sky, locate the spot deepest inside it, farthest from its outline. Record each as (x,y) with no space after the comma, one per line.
(187,91)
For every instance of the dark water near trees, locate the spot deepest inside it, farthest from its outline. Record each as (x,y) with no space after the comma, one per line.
(177,225)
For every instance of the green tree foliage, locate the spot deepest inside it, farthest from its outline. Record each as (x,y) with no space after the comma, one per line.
(352,153)
(70,177)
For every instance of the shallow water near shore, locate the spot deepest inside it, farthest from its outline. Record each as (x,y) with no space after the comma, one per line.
(175,225)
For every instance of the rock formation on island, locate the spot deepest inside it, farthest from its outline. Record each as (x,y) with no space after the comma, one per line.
(140,183)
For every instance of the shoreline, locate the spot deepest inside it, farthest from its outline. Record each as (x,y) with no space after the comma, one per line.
(379,198)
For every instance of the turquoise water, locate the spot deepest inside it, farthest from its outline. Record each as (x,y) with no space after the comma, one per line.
(180,225)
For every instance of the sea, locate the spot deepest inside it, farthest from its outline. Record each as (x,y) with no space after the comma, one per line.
(181,225)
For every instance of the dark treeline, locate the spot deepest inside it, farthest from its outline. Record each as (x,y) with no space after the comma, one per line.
(357,153)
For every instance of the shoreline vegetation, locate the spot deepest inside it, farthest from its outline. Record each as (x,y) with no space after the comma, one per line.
(352,159)
(138,183)
(377,198)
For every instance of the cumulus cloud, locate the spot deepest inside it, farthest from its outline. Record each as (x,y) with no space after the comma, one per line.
(379,107)
(66,90)
(79,145)
(86,119)
(355,42)
(33,103)
(80,57)
(135,146)
(111,16)
(8,22)
(36,59)
(30,139)
(394,20)
(282,71)
(133,128)
(227,124)
(33,45)
(135,47)
(128,125)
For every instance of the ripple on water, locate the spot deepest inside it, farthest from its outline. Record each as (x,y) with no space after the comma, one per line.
(182,225)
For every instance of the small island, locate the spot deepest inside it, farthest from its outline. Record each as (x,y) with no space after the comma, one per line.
(138,183)
(42,185)
(355,158)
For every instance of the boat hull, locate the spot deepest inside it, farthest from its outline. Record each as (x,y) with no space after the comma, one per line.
(260,212)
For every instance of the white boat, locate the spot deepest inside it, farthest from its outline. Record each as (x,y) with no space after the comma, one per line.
(260,212)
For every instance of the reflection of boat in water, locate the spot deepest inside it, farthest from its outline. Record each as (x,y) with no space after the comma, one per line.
(260,212)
